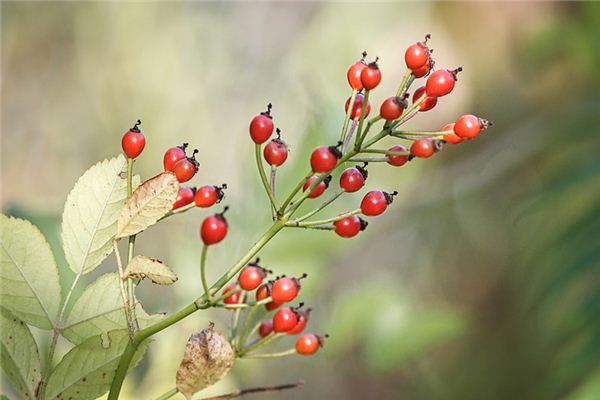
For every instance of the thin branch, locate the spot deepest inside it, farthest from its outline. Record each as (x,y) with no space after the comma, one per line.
(203,272)
(239,393)
(322,206)
(263,178)
(348,113)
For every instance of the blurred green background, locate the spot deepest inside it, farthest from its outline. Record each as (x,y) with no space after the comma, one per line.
(481,282)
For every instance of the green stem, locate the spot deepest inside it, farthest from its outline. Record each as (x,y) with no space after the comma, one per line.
(420,133)
(236,318)
(386,152)
(244,305)
(316,227)
(405,84)
(348,113)
(285,353)
(293,193)
(359,140)
(369,159)
(242,338)
(361,120)
(203,272)
(325,221)
(131,247)
(259,343)
(263,178)
(178,211)
(168,395)
(322,206)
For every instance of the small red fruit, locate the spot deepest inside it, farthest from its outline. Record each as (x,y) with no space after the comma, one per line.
(261,126)
(417,55)
(441,82)
(186,168)
(263,292)
(424,70)
(357,107)
(276,152)
(424,147)
(451,138)
(370,76)
(355,71)
(265,328)
(302,321)
(392,108)
(209,195)
(319,189)
(235,294)
(185,196)
(309,343)
(469,126)
(376,201)
(173,155)
(286,289)
(426,104)
(397,161)
(214,228)
(285,320)
(324,158)
(349,227)
(353,178)
(252,276)
(133,141)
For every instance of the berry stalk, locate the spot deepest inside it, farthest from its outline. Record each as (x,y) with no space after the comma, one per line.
(348,113)
(263,178)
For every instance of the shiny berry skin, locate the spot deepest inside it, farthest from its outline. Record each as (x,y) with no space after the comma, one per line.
(353,179)
(441,82)
(392,108)
(263,292)
(350,227)
(214,228)
(133,141)
(235,294)
(423,148)
(209,195)
(284,320)
(370,76)
(261,126)
(276,152)
(426,104)
(319,189)
(186,168)
(185,196)
(354,73)
(302,316)
(357,107)
(375,202)
(397,161)
(417,55)
(467,126)
(324,158)
(451,138)
(172,156)
(285,289)
(265,328)
(251,277)
(308,344)
(421,72)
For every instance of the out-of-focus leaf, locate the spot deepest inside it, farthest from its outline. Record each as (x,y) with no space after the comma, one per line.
(142,267)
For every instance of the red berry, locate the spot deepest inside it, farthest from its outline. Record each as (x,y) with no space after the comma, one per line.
(186,168)
(263,292)
(133,141)
(375,202)
(469,126)
(349,227)
(357,107)
(421,72)
(173,155)
(451,138)
(353,179)
(252,276)
(185,196)
(426,104)
(308,344)
(354,73)
(441,82)
(397,161)
(424,147)
(392,108)
(265,328)
(324,158)
(209,195)
(261,126)
(370,76)
(417,55)
(235,294)
(284,320)
(301,324)
(319,189)
(214,228)
(285,289)
(276,152)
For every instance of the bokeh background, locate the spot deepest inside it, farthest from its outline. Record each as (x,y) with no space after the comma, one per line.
(481,282)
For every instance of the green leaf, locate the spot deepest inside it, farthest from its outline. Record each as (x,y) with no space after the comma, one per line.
(29,285)
(91,212)
(87,370)
(142,267)
(20,357)
(100,309)
(148,203)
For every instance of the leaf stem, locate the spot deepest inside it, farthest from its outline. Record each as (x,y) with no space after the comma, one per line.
(122,280)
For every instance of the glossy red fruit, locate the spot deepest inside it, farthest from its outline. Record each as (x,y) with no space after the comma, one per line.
(426,104)
(392,108)
(417,55)
(261,126)
(469,126)
(350,227)
(263,292)
(308,344)
(302,321)
(266,327)
(173,155)
(133,141)
(424,147)
(285,289)
(276,152)
(353,179)
(421,72)
(235,294)
(451,138)
(186,168)
(252,276)
(376,201)
(214,228)
(357,107)
(319,189)
(441,82)
(370,76)
(354,73)
(209,195)
(185,196)
(324,158)
(284,320)
(397,161)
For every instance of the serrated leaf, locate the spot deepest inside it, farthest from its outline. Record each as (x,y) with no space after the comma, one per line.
(148,203)
(29,285)
(142,267)
(87,370)
(20,356)
(90,215)
(100,309)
